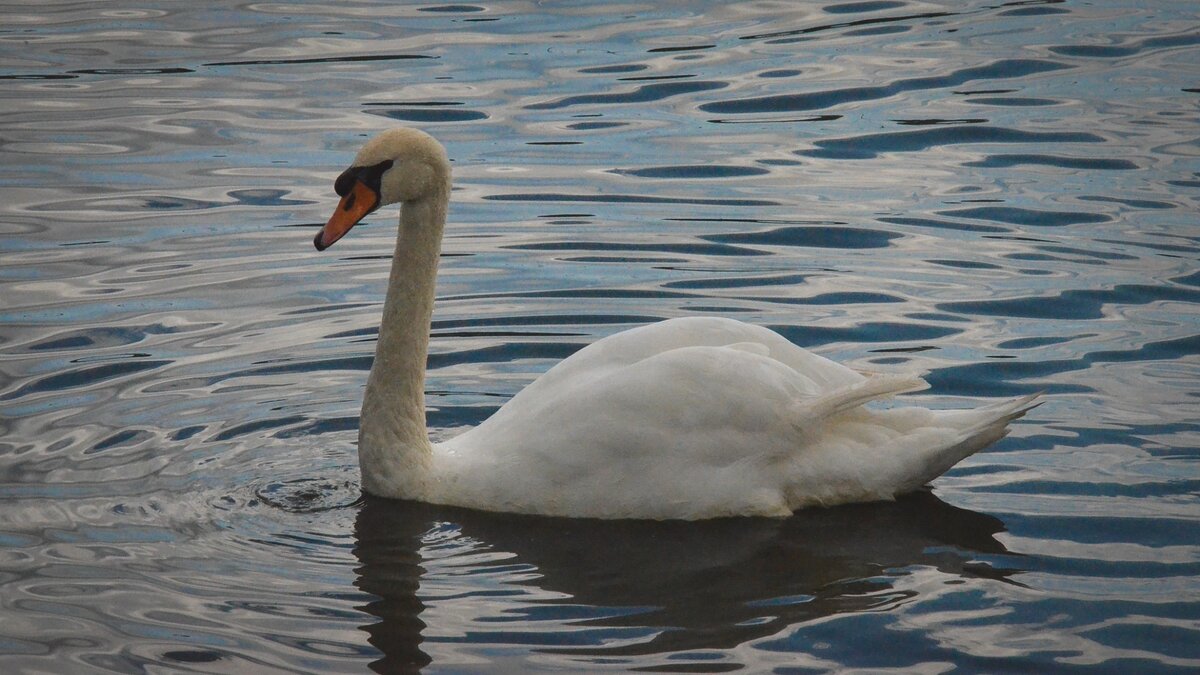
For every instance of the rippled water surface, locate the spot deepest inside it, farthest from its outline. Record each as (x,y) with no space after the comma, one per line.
(1004,194)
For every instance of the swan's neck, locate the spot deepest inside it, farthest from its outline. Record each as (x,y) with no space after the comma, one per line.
(393,444)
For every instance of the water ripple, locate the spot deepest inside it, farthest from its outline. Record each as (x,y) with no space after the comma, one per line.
(1015,159)
(643,94)
(1003,69)
(872,145)
(1032,217)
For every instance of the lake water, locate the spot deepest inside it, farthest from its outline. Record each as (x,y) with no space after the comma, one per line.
(1004,194)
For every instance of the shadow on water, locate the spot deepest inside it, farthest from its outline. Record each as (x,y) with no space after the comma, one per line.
(705,585)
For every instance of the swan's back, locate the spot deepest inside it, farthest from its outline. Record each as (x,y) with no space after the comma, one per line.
(636,344)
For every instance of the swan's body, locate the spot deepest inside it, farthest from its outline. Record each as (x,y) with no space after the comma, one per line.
(687,418)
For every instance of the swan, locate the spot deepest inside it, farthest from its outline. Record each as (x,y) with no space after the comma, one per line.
(687,418)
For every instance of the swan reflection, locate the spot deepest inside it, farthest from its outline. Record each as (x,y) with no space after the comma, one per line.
(649,587)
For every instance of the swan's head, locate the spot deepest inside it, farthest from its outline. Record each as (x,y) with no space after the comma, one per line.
(398,165)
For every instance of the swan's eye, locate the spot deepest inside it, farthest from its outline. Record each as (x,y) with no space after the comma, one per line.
(372,176)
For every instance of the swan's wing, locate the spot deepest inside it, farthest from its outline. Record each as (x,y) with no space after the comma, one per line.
(601,366)
(709,427)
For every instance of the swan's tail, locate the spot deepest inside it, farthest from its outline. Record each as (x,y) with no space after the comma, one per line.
(866,454)
(971,431)
(852,396)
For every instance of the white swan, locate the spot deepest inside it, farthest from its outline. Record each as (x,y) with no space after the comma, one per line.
(687,418)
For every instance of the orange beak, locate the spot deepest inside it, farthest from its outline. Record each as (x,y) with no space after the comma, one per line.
(355,206)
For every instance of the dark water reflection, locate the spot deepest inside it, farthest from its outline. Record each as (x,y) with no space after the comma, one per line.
(669,587)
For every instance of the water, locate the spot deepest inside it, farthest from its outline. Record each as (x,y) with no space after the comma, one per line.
(1004,194)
